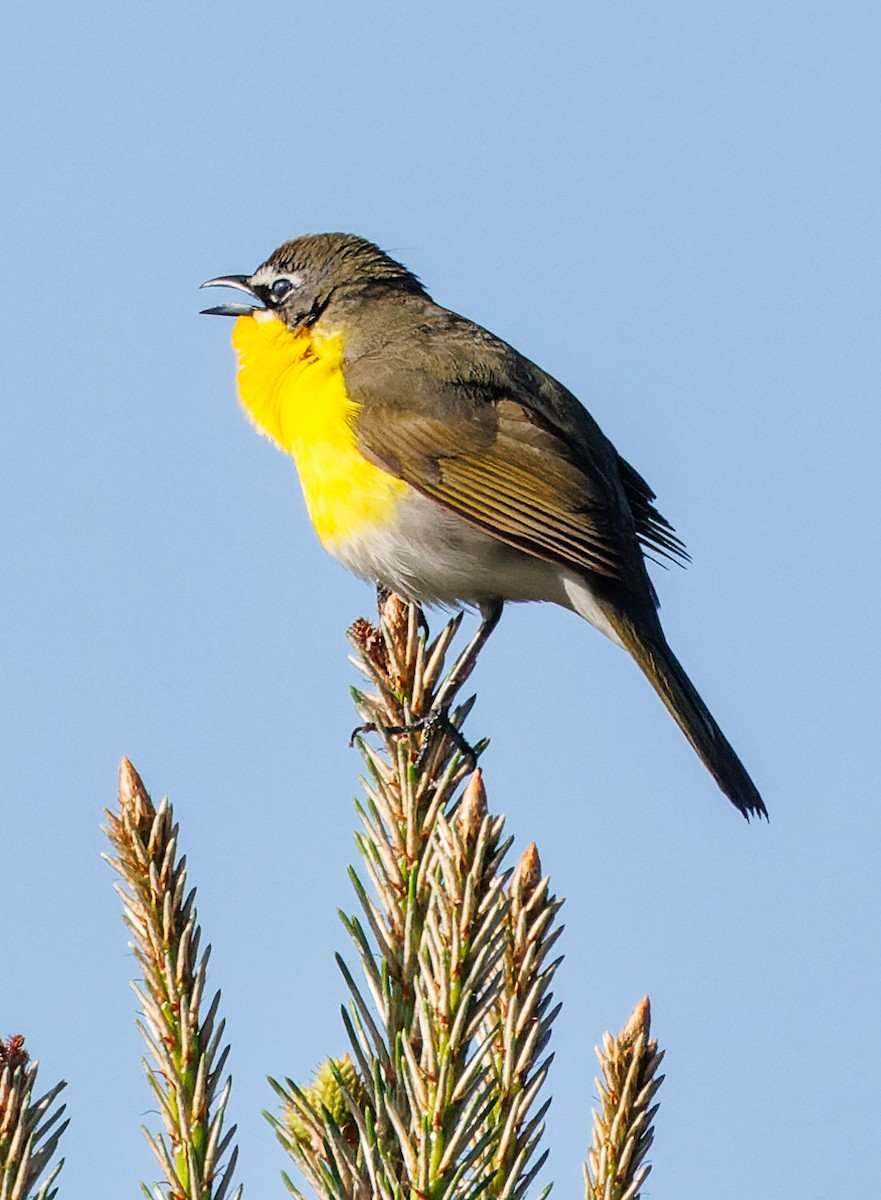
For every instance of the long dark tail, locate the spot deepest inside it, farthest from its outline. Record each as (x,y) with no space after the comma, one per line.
(668,678)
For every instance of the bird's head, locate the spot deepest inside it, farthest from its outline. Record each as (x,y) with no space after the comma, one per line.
(299,279)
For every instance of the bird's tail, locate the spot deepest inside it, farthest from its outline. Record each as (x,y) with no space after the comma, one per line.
(664,672)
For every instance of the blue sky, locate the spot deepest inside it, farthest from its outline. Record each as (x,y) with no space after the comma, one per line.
(673,208)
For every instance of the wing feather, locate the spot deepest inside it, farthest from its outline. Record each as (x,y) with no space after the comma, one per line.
(527,493)
(467,421)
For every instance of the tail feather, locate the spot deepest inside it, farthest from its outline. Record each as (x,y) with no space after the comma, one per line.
(666,675)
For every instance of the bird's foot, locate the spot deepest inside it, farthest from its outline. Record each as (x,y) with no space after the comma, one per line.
(436,720)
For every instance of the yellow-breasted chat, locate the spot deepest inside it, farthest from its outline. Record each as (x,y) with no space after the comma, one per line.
(438,461)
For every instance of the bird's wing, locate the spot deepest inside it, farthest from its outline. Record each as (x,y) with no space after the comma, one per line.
(496,460)
(653,531)
(521,487)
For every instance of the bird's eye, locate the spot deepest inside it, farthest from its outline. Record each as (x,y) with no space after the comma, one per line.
(280,288)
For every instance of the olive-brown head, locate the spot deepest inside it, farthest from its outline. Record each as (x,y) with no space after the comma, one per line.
(300,278)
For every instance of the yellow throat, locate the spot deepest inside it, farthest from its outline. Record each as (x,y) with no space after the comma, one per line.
(291,385)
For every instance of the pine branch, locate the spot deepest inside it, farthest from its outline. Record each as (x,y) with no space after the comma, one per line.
(622,1129)
(523,1021)
(29,1129)
(184,1069)
(449,1028)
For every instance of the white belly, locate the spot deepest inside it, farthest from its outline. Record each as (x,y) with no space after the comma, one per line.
(434,557)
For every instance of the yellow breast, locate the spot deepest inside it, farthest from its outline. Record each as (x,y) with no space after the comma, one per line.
(292,387)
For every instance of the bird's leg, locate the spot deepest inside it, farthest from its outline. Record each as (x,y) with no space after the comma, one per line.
(382,594)
(438,716)
(490,613)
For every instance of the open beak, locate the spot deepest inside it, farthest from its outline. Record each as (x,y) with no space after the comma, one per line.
(242,283)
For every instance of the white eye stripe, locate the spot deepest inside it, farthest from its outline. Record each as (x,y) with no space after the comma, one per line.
(277,284)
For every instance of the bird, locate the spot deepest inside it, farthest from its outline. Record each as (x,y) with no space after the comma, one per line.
(439,462)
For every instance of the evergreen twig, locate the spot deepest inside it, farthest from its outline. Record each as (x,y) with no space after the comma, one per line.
(29,1128)
(440,1096)
(622,1128)
(185,1065)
